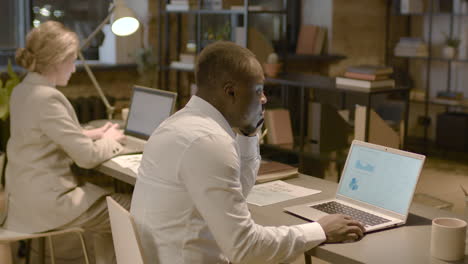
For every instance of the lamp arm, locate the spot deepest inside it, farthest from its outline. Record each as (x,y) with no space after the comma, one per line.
(109,109)
(99,28)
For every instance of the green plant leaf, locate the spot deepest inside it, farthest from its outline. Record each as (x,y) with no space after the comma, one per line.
(11,72)
(9,85)
(4,105)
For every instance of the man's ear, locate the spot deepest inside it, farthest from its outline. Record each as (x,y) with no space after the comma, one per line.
(229,89)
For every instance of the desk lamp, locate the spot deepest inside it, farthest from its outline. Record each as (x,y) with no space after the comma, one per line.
(123,23)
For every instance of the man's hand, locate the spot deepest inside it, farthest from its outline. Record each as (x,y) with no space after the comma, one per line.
(339,228)
(251,132)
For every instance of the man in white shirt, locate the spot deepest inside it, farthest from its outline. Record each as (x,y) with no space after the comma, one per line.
(189,200)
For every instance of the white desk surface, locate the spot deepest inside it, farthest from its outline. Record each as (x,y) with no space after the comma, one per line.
(406,244)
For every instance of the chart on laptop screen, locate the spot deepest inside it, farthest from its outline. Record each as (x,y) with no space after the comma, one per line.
(380,178)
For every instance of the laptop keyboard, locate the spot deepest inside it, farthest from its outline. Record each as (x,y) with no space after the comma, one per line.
(132,146)
(365,218)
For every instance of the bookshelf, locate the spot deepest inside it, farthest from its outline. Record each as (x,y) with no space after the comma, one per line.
(172,36)
(302,148)
(178,27)
(432,73)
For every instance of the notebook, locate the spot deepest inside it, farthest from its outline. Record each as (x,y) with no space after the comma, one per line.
(376,187)
(148,108)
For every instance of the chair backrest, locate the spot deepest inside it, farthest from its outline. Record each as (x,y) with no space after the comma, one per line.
(126,241)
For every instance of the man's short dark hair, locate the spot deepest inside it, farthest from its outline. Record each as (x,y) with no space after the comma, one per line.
(221,62)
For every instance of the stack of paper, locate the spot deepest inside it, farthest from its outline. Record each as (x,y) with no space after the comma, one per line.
(277,191)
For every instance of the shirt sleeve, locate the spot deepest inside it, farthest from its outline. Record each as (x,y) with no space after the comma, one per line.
(58,125)
(250,161)
(210,170)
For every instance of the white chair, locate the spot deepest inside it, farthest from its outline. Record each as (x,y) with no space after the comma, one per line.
(126,241)
(7,236)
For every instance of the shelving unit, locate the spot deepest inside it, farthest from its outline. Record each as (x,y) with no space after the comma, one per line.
(429,16)
(301,83)
(170,48)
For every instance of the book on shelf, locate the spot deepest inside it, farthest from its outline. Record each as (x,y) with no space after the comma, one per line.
(251,8)
(220,4)
(411,47)
(439,100)
(370,69)
(311,40)
(177,7)
(182,65)
(306,39)
(187,58)
(411,6)
(272,171)
(183,2)
(364,83)
(278,123)
(450,95)
(320,40)
(363,76)
(181,5)
(417,95)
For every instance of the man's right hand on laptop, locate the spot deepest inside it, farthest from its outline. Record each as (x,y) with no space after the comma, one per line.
(340,228)
(115,133)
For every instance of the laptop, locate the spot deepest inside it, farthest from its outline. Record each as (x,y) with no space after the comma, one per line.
(376,187)
(148,108)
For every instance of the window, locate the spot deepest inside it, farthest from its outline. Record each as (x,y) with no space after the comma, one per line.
(13,25)
(81,16)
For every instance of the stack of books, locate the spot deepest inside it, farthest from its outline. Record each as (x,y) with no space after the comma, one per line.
(186,62)
(251,7)
(411,47)
(272,171)
(181,5)
(366,76)
(448,97)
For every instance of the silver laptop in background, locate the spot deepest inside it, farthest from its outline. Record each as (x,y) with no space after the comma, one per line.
(148,108)
(376,187)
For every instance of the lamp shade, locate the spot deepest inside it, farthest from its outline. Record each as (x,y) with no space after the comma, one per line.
(124,22)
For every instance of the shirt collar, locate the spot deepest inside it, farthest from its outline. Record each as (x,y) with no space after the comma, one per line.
(209,110)
(36,78)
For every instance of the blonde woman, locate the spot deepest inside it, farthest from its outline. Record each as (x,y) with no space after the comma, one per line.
(46,139)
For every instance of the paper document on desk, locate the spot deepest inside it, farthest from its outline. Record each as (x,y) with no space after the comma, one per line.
(131,162)
(277,191)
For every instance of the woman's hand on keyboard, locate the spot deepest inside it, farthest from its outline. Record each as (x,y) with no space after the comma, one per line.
(115,133)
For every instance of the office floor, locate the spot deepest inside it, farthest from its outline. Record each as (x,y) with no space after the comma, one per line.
(439,185)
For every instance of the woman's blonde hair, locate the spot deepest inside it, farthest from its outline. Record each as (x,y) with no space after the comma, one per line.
(49,44)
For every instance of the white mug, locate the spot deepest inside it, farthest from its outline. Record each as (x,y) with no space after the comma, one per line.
(124,114)
(448,238)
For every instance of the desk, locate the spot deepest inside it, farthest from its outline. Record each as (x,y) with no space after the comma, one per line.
(406,244)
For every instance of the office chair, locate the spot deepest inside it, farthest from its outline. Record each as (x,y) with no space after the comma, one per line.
(126,241)
(7,236)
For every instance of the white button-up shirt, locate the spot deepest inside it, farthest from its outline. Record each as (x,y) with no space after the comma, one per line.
(189,200)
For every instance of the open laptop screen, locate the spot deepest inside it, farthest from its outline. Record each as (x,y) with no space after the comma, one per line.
(380,178)
(148,108)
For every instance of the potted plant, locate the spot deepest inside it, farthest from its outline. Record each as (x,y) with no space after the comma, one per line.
(450,47)
(272,67)
(6,87)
